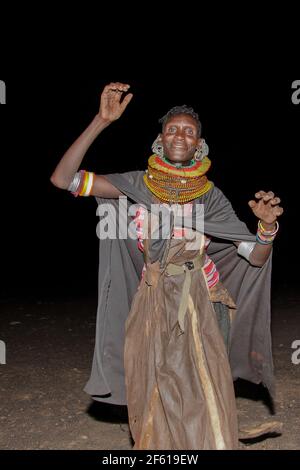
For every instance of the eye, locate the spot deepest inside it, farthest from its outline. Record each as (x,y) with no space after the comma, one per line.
(172,129)
(190,131)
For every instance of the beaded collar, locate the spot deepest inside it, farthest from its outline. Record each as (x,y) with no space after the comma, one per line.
(177,185)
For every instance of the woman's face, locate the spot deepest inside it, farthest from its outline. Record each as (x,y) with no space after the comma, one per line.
(180,138)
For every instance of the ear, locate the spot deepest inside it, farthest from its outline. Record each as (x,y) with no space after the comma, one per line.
(199,142)
(158,146)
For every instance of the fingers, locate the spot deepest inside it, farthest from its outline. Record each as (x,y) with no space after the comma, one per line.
(267,207)
(265,196)
(126,101)
(113,93)
(275,201)
(268,198)
(278,211)
(116,87)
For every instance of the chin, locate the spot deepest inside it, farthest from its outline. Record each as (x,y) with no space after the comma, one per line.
(178,159)
(182,162)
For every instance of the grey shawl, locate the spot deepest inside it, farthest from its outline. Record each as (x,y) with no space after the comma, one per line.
(120,266)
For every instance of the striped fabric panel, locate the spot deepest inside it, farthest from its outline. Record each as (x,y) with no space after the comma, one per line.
(211,272)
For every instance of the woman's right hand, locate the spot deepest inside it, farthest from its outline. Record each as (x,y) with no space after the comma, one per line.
(111,107)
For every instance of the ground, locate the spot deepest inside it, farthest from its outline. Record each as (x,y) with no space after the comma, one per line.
(49,347)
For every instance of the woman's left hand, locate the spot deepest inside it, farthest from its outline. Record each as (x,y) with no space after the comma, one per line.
(267,208)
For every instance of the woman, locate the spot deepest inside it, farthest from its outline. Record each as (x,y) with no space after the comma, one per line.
(193,303)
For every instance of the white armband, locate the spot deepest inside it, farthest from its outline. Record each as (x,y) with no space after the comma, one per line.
(245,249)
(75,182)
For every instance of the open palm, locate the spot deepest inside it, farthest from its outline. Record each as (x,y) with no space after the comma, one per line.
(111,107)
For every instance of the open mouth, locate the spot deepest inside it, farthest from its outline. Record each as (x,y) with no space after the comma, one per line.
(178,146)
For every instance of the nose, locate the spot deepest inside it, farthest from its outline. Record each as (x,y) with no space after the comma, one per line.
(179,135)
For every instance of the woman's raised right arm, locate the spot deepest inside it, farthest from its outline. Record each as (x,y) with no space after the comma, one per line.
(110,110)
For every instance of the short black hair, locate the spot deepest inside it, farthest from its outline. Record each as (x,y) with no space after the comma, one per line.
(184,109)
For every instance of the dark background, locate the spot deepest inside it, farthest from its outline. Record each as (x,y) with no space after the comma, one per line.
(49,243)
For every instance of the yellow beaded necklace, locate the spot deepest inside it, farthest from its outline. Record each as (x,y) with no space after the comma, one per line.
(177,185)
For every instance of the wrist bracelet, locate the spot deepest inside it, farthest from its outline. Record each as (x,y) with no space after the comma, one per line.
(264,242)
(267,233)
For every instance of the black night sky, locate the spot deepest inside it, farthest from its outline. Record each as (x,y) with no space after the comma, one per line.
(49,245)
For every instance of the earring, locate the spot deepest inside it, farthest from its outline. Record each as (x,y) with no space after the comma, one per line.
(202,151)
(157,147)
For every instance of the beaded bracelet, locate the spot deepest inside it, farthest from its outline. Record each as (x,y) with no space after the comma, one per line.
(265,237)
(264,242)
(268,232)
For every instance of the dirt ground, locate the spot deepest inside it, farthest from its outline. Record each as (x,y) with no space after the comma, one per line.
(49,347)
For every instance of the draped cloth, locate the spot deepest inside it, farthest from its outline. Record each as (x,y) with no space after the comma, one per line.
(120,267)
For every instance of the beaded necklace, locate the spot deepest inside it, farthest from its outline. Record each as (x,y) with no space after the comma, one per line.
(174,184)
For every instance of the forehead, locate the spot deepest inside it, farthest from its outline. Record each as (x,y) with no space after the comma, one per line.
(182,120)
